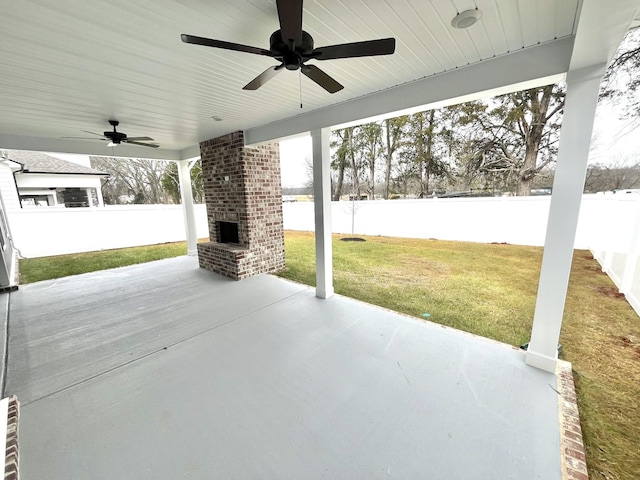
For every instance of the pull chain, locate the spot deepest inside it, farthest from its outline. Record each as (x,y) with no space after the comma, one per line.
(300,78)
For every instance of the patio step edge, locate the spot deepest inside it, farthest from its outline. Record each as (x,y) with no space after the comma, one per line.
(573,461)
(10,408)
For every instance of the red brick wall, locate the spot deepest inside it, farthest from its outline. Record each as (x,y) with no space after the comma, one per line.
(242,184)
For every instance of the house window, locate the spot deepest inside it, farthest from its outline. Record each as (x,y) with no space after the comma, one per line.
(76,197)
(36,200)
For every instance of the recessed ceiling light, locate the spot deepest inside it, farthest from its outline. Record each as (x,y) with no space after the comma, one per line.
(466,18)
(217,118)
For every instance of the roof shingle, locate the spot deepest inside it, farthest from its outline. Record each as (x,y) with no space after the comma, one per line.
(33,162)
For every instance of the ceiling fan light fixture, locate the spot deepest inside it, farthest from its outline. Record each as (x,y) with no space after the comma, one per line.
(111,144)
(466,19)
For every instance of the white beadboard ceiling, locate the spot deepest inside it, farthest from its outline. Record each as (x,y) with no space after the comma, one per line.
(70,65)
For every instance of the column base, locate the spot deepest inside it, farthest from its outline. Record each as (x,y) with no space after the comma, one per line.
(543,362)
(324,292)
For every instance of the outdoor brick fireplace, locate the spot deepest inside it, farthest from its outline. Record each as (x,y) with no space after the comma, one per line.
(244,208)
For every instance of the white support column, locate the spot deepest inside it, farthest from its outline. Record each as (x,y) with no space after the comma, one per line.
(186,195)
(322,207)
(100,197)
(575,140)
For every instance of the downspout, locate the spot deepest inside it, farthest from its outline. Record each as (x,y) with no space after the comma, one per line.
(15,182)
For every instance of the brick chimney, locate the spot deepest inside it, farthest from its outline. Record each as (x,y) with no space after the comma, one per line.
(244,208)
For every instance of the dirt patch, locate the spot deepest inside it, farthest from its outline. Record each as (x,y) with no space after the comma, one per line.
(626,341)
(611,292)
(593,268)
(422,266)
(422,271)
(631,342)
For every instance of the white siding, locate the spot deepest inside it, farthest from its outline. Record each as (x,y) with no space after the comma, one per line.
(8,188)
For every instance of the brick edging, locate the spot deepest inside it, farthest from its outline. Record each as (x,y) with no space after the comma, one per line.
(11,469)
(573,463)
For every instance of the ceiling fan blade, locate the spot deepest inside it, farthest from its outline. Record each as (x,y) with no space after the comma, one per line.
(208,42)
(152,145)
(85,138)
(263,78)
(290,16)
(93,133)
(369,48)
(138,139)
(321,78)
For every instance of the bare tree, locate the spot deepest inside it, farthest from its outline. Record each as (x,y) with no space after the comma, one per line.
(132,180)
(621,172)
(621,83)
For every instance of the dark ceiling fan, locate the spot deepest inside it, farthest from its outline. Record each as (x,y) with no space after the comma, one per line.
(116,138)
(293,47)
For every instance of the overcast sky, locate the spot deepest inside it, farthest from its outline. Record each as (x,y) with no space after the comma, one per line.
(614,137)
(293,155)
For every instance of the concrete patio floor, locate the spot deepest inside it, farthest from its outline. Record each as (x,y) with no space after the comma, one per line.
(164,370)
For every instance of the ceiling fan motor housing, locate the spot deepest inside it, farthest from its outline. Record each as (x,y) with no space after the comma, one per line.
(115,137)
(292,59)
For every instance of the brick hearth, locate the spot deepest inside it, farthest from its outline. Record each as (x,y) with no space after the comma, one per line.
(242,185)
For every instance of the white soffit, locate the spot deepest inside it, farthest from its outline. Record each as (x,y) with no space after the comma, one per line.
(71,65)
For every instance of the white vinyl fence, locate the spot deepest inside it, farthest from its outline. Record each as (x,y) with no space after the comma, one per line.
(515,220)
(615,242)
(40,232)
(609,225)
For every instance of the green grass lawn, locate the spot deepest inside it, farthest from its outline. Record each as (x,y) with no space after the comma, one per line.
(489,290)
(45,268)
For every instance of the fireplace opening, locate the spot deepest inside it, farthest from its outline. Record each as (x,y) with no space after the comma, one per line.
(228,232)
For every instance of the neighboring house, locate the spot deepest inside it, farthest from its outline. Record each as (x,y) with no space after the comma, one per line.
(29,179)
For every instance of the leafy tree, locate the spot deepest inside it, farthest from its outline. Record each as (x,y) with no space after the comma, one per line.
(499,144)
(347,160)
(355,161)
(339,162)
(369,144)
(422,148)
(405,178)
(393,137)
(171,182)
(514,135)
